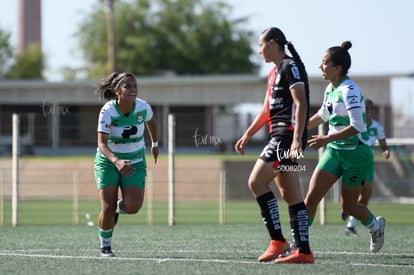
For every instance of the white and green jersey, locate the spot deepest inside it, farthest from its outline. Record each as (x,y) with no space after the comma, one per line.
(342,107)
(126,132)
(375,132)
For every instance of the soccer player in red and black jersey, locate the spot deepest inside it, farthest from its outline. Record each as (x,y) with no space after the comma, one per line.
(285,110)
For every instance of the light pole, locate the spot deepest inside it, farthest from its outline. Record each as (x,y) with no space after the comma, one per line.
(110,34)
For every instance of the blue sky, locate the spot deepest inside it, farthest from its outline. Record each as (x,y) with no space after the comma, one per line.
(380,30)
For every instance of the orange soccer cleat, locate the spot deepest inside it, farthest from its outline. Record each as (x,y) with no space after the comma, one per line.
(274,250)
(296,258)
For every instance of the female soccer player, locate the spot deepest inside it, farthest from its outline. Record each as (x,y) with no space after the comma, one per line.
(285,110)
(347,153)
(375,132)
(120,157)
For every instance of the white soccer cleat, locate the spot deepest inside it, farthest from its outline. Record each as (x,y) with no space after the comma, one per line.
(377,238)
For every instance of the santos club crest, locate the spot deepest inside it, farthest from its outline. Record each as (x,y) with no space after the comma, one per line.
(140,118)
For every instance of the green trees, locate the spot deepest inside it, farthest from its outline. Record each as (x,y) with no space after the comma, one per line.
(27,65)
(185,37)
(182,36)
(6,52)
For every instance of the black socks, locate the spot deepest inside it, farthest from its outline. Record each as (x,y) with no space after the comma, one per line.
(270,215)
(299,223)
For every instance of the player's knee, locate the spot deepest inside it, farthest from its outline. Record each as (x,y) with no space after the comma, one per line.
(132,208)
(252,184)
(256,188)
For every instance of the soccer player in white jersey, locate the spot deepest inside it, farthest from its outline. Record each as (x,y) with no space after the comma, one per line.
(348,154)
(120,157)
(375,132)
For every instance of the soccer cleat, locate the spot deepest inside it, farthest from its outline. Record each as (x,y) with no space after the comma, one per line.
(377,238)
(296,258)
(349,231)
(274,250)
(344,216)
(107,252)
(292,248)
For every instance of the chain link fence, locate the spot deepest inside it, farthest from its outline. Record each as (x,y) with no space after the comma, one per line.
(56,169)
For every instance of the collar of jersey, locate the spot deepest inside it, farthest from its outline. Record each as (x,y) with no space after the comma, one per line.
(119,111)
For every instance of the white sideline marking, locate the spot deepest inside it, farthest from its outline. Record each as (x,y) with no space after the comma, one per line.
(28,253)
(159,260)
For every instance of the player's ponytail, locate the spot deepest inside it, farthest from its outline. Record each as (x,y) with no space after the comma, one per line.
(300,64)
(105,88)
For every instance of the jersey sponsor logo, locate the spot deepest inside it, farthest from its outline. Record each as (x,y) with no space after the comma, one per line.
(329,107)
(105,125)
(353,99)
(277,80)
(276,103)
(277,88)
(129,131)
(295,71)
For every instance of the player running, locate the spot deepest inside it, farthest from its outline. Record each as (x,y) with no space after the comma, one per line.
(120,157)
(348,154)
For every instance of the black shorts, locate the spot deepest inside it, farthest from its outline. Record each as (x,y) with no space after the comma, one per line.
(277,151)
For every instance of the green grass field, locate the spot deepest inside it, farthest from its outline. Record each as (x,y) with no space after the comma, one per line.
(47,243)
(195,249)
(60,212)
